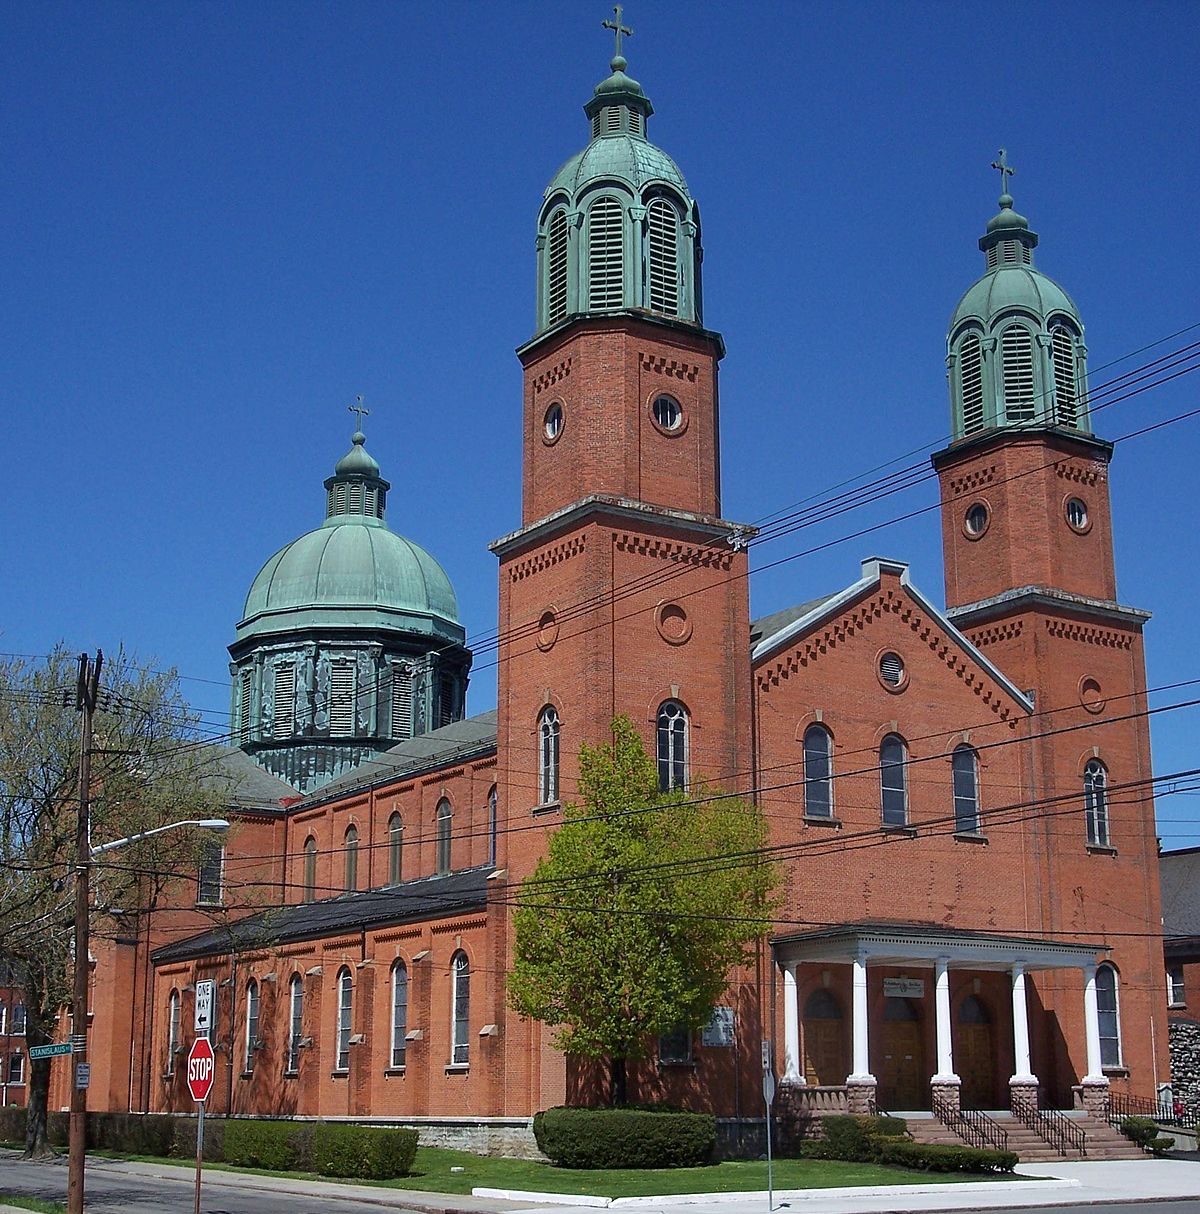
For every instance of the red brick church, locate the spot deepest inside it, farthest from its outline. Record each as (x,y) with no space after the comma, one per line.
(960,792)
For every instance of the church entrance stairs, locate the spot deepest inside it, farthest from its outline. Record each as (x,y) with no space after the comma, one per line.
(1102,1141)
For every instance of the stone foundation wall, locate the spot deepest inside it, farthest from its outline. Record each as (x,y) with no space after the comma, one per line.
(1184,1037)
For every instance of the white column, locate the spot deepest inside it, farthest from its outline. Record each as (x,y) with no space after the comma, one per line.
(945,1044)
(791,1027)
(1091,1021)
(1022,1073)
(862,1066)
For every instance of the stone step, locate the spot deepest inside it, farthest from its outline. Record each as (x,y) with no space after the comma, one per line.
(1103,1142)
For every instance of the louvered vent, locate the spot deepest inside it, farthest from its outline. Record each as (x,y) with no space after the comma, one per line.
(285,701)
(401,702)
(356,498)
(1017,355)
(612,120)
(341,700)
(993,257)
(971,377)
(339,499)
(245,698)
(605,255)
(635,122)
(891,669)
(595,125)
(446,702)
(1065,396)
(664,257)
(556,297)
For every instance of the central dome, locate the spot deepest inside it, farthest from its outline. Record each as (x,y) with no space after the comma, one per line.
(637,162)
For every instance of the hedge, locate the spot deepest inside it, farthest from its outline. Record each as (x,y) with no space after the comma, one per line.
(885,1140)
(855,1139)
(279,1146)
(363,1152)
(625,1138)
(1144,1131)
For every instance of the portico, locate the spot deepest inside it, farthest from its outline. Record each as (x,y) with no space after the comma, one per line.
(895,978)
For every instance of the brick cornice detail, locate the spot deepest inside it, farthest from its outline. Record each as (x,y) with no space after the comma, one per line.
(458,925)
(1089,634)
(552,376)
(553,555)
(973,479)
(1083,474)
(1007,631)
(859,618)
(672,550)
(669,366)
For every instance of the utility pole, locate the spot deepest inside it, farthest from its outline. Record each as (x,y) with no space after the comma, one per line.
(86,694)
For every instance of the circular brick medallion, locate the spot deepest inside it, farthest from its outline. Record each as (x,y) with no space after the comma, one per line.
(673,623)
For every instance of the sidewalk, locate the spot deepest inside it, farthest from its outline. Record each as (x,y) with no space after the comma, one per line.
(1065,1183)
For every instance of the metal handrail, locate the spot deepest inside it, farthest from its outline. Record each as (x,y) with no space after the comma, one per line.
(1055,1129)
(974,1127)
(1122,1104)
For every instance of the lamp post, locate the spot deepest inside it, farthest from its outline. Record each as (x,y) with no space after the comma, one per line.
(86,696)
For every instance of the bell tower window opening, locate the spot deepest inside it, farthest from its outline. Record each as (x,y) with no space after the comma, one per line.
(401,700)
(548,743)
(1016,349)
(446,698)
(1095,803)
(341,700)
(245,704)
(970,377)
(662,222)
(284,724)
(606,254)
(672,745)
(1066,394)
(556,293)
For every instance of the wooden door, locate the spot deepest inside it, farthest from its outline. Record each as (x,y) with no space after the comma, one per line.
(903,1080)
(975,1055)
(824,1040)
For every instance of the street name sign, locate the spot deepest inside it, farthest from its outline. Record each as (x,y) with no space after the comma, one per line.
(49,1051)
(201,1066)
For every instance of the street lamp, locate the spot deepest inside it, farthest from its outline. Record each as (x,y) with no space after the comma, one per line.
(85,853)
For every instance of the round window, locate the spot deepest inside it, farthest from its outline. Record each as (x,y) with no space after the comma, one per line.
(1077,514)
(552,423)
(891,670)
(668,413)
(977,520)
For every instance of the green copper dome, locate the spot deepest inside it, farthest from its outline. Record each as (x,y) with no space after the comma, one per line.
(622,157)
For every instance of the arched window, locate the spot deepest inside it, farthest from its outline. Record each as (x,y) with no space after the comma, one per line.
(351,859)
(893,781)
(295,1022)
(662,278)
(492,824)
(460,969)
(395,849)
(399,1011)
(1016,353)
(445,816)
(606,255)
(172,1031)
(1095,802)
(1108,1005)
(548,730)
(251,1025)
(965,765)
(970,378)
(1066,389)
(672,745)
(818,772)
(345,1010)
(556,268)
(310,869)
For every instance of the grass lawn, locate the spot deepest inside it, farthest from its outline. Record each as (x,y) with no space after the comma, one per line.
(32,1203)
(431,1173)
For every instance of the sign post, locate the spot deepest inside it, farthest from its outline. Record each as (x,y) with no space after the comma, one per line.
(201,1068)
(768,1100)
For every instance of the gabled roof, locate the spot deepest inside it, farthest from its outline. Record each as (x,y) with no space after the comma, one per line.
(1179,873)
(812,615)
(769,625)
(427,898)
(251,786)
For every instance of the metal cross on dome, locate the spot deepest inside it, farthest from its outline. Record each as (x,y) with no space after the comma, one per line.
(361,410)
(618,29)
(1005,170)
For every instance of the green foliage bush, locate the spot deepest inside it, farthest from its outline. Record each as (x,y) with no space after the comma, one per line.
(933,1157)
(12,1124)
(1144,1131)
(279,1146)
(856,1139)
(625,1138)
(183,1141)
(363,1152)
(137,1133)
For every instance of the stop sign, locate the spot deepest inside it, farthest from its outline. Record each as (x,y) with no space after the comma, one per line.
(200,1068)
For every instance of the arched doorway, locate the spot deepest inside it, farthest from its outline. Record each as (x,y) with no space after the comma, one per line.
(974,1054)
(824,1039)
(903,1080)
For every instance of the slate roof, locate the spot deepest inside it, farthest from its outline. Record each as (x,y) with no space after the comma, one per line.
(1179,873)
(427,898)
(252,786)
(439,748)
(769,625)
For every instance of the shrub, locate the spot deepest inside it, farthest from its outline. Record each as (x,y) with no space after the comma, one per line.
(1144,1131)
(625,1138)
(930,1157)
(856,1139)
(183,1142)
(12,1124)
(363,1152)
(137,1133)
(279,1146)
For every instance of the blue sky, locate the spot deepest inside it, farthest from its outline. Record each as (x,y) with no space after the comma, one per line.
(224,221)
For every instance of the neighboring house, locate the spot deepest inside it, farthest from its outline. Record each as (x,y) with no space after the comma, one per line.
(1180,874)
(939,783)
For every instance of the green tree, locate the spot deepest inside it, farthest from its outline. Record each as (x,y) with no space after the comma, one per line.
(645,901)
(148,768)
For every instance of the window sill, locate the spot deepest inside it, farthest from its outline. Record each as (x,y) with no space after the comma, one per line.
(246,1075)
(909,832)
(209,905)
(291,1074)
(1177,1007)
(970,836)
(548,807)
(820,820)
(395,1070)
(689,1064)
(457,1068)
(1117,1072)
(1101,849)
(340,1074)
